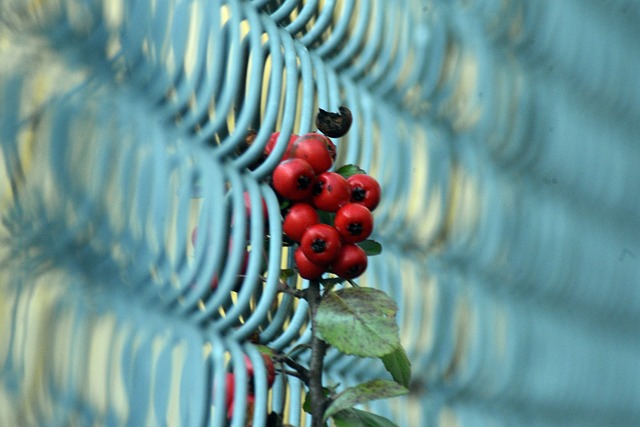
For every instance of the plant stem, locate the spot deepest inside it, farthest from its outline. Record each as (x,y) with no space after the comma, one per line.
(301,371)
(282,287)
(318,349)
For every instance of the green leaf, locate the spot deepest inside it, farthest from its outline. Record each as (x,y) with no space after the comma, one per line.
(285,204)
(358,418)
(398,365)
(371,247)
(263,349)
(326,217)
(362,393)
(359,321)
(306,405)
(348,170)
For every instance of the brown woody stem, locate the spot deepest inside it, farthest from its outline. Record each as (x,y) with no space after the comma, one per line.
(318,350)
(301,371)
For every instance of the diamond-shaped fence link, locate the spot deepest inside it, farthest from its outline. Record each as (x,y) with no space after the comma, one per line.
(504,135)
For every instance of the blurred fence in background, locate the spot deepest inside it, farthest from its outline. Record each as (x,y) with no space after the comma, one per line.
(504,134)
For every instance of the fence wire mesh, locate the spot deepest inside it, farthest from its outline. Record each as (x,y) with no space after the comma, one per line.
(504,134)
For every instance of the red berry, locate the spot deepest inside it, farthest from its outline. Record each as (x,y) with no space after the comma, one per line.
(272,143)
(214,282)
(194,235)
(269,366)
(331,191)
(307,269)
(247,205)
(248,208)
(354,222)
(315,148)
(243,270)
(321,244)
(251,402)
(300,217)
(365,190)
(293,179)
(229,389)
(271,370)
(351,262)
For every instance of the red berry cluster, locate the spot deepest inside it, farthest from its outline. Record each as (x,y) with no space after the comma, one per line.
(328,214)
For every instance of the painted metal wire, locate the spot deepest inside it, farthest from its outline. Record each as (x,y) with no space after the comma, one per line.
(502,134)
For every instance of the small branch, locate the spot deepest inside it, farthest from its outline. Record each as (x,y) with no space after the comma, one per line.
(282,287)
(298,348)
(298,375)
(318,350)
(302,372)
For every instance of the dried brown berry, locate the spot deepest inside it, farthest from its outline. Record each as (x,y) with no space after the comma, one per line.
(334,125)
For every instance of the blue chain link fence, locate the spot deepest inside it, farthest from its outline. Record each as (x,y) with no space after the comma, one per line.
(504,134)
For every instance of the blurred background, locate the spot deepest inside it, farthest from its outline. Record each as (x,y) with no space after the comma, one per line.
(504,134)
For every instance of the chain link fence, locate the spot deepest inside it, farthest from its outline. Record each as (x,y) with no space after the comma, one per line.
(502,133)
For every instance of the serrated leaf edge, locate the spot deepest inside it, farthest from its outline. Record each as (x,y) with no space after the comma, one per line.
(388,312)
